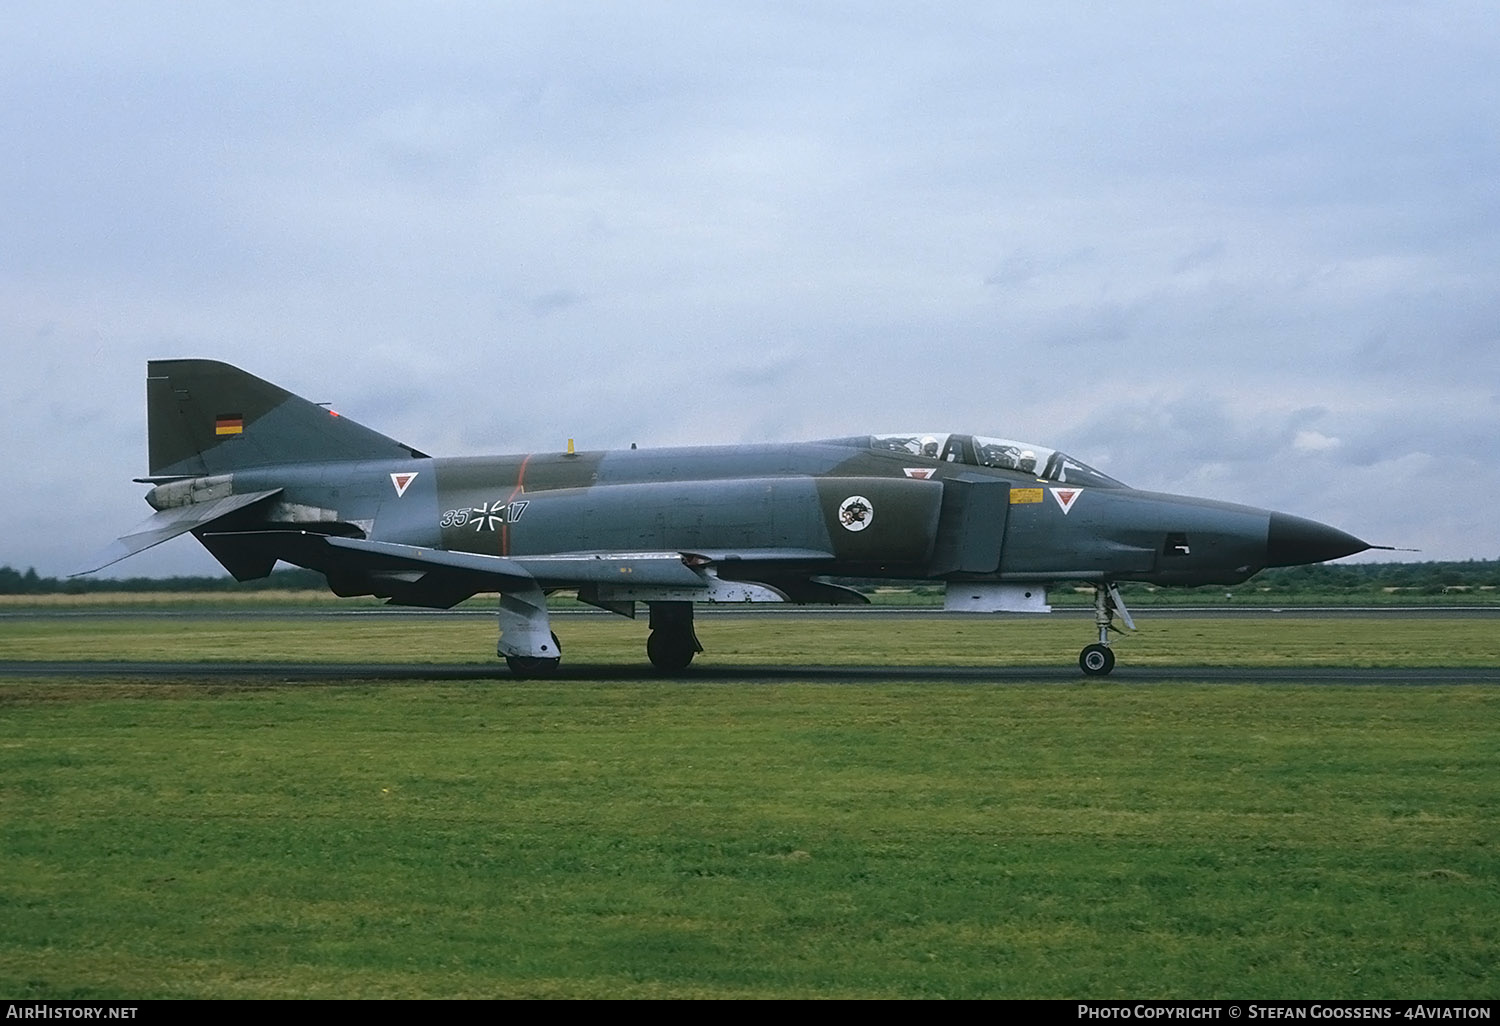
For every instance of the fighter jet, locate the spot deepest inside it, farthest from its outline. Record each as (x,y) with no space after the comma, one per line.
(258,475)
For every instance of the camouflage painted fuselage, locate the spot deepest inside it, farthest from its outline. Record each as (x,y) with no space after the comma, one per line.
(258,474)
(767,513)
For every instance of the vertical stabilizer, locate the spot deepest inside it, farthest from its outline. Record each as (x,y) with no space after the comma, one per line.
(206,417)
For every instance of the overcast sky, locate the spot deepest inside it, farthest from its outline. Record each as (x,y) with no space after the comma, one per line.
(1242,250)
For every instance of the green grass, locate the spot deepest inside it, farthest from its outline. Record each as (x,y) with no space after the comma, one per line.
(594,838)
(886,640)
(680,840)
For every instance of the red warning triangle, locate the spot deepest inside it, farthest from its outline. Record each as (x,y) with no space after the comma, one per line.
(1066,497)
(403,481)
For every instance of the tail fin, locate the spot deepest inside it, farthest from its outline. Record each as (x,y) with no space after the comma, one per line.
(205,417)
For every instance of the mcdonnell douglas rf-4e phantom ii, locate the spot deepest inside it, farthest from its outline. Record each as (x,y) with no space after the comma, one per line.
(258,474)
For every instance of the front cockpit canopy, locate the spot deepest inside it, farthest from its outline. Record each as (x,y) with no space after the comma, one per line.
(1004,453)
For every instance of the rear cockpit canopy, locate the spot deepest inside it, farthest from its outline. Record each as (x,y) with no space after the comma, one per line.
(1004,453)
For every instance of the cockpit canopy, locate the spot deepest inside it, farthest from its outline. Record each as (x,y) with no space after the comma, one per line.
(1005,453)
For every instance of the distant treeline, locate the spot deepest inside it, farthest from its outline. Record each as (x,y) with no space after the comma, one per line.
(1474,573)
(13,582)
(1430,578)
(1356,578)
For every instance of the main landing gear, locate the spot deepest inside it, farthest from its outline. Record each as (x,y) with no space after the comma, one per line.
(1097,660)
(531,649)
(536,666)
(527,643)
(672,643)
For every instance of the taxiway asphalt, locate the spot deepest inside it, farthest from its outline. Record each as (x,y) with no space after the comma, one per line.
(703,673)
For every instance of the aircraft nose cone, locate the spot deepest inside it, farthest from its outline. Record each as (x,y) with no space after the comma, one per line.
(1293,541)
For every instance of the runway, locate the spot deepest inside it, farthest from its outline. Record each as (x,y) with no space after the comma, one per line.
(706,673)
(738,611)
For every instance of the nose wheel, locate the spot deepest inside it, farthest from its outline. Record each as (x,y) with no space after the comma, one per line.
(1098,659)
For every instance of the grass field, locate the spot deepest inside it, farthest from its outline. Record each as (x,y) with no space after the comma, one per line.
(594,838)
(606,640)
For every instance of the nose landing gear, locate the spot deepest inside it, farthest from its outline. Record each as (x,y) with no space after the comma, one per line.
(1098,659)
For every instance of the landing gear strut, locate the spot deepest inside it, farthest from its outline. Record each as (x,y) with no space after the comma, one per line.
(527,643)
(1097,660)
(672,643)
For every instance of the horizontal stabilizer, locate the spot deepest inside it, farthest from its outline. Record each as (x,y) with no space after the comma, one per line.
(168,524)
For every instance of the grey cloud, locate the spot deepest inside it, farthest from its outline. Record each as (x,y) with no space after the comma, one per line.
(552,302)
(1245,251)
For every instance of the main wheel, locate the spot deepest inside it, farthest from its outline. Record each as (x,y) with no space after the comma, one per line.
(669,652)
(532,666)
(1096,660)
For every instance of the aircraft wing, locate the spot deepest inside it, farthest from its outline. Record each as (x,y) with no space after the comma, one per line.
(169,523)
(417,575)
(757,555)
(391,557)
(661,569)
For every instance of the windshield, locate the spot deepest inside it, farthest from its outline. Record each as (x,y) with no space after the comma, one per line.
(1005,453)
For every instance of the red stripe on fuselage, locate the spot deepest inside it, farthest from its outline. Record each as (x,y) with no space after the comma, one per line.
(519,489)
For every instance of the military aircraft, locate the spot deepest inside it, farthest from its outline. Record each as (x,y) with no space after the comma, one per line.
(258,475)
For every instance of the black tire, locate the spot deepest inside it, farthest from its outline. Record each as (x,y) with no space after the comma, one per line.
(669,652)
(529,667)
(536,666)
(1096,660)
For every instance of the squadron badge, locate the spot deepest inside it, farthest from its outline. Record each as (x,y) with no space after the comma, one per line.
(856,513)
